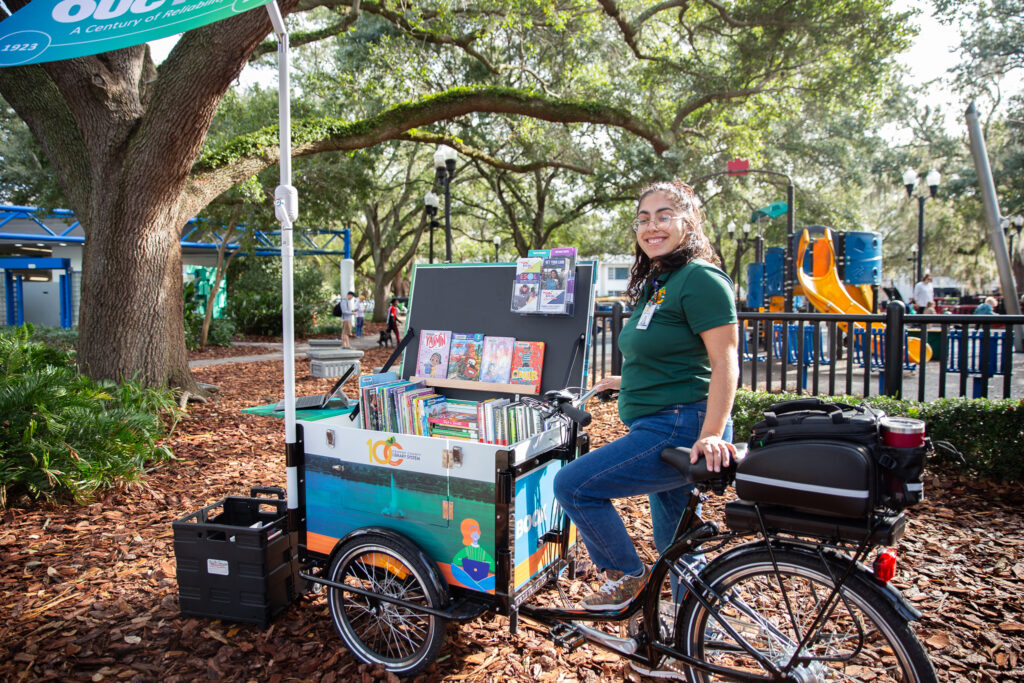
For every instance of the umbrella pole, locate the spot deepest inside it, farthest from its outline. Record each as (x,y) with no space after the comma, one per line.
(286,209)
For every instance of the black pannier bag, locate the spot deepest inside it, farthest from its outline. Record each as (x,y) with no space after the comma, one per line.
(829,457)
(813,418)
(833,477)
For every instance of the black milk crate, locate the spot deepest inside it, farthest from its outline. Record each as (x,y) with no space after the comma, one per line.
(236,559)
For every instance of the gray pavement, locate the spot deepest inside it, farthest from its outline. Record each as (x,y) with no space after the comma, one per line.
(911,380)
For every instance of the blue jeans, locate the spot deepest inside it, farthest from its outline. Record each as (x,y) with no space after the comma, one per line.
(359,326)
(631,466)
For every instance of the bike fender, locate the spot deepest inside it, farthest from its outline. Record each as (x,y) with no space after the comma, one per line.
(839,562)
(432,569)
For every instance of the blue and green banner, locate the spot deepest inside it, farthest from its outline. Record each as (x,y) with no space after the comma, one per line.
(48,30)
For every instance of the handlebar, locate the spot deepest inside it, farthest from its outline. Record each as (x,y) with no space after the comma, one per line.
(575,414)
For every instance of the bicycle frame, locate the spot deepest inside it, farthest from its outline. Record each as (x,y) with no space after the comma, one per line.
(693,535)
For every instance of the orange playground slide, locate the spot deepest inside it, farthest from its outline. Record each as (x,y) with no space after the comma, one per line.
(828,294)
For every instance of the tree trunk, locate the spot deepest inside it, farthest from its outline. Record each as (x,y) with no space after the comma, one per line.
(132,266)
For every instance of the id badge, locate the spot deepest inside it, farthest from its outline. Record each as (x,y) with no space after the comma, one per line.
(650,307)
(646,315)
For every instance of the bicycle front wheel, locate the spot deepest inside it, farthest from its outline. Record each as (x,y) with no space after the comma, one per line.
(862,636)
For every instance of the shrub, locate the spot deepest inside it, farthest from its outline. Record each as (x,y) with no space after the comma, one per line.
(989,432)
(63,435)
(193,316)
(51,336)
(254,299)
(222,330)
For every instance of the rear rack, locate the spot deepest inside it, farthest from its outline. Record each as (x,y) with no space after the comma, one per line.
(879,529)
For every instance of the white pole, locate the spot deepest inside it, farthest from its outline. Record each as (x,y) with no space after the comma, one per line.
(286,209)
(995,224)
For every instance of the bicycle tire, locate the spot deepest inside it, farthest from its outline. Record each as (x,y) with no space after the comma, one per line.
(886,648)
(402,640)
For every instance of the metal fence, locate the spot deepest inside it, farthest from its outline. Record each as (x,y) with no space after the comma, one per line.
(918,357)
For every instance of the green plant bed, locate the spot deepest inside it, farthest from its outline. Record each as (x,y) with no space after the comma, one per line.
(990,433)
(63,435)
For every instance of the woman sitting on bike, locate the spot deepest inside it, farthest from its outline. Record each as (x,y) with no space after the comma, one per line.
(678,381)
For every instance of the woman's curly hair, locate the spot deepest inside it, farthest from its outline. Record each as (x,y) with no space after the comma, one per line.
(695,243)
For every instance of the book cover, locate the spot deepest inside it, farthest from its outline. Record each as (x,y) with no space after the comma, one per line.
(527,364)
(527,284)
(569,253)
(464,358)
(409,421)
(497,359)
(432,357)
(429,405)
(553,285)
(453,419)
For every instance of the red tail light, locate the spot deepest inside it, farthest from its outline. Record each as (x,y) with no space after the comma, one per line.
(885,565)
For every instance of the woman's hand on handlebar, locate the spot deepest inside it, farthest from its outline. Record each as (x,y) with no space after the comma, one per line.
(608,383)
(717,453)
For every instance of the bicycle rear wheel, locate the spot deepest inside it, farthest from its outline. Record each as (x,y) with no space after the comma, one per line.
(863,636)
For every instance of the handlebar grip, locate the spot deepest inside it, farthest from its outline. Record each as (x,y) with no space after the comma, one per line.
(575,414)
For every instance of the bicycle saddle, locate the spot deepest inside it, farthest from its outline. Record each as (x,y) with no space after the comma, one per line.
(679,457)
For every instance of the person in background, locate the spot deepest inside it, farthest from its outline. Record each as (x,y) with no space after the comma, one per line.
(392,324)
(930,309)
(924,292)
(347,305)
(360,313)
(987,307)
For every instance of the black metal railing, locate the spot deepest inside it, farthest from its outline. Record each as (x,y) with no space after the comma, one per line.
(912,356)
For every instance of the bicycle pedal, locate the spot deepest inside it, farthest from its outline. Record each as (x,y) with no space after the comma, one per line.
(566,637)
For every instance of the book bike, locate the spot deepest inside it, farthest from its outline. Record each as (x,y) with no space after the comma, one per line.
(785,594)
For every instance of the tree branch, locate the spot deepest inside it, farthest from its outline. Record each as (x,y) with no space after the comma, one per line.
(218,170)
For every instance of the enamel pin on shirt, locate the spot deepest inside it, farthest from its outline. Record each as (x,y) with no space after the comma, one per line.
(657,297)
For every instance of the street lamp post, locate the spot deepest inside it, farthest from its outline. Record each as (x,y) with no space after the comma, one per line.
(444,164)
(910,179)
(497,243)
(432,203)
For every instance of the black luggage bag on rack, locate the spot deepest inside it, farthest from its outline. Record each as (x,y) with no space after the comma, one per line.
(814,455)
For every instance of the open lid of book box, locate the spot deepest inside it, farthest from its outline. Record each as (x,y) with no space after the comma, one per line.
(477,298)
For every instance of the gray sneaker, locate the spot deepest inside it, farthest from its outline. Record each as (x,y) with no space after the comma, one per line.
(617,592)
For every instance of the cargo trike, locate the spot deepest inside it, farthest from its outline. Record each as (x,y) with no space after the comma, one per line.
(410,532)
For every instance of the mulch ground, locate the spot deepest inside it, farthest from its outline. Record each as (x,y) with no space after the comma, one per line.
(90,591)
(208,352)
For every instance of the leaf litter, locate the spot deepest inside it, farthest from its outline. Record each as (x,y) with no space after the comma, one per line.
(91,595)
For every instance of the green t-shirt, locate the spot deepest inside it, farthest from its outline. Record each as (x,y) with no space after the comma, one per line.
(667,363)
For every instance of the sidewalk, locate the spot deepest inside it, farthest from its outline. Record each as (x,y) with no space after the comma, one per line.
(363,343)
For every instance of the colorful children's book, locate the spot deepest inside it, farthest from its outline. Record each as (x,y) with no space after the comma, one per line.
(368,404)
(432,359)
(464,359)
(527,364)
(527,284)
(497,360)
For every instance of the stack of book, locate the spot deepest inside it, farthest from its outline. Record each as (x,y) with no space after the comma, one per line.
(477,358)
(403,407)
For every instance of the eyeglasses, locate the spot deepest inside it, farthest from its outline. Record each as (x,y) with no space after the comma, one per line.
(661,221)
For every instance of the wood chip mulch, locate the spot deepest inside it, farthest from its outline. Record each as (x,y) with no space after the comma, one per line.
(90,593)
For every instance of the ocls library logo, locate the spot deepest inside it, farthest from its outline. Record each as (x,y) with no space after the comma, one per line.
(389,452)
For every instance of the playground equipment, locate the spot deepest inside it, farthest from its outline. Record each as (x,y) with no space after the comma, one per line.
(818,279)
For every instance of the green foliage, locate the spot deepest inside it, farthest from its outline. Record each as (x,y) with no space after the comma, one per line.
(63,435)
(193,313)
(254,300)
(989,432)
(222,331)
(51,336)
